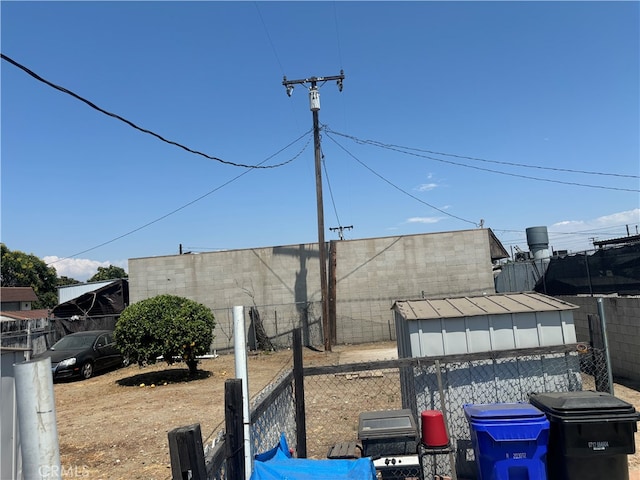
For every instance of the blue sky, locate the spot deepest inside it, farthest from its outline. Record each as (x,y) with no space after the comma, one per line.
(517,98)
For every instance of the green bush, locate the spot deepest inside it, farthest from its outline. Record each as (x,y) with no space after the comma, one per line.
(167,326)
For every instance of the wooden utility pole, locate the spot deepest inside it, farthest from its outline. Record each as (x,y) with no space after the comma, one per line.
(314,105)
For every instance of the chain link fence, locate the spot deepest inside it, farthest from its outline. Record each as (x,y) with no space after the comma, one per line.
(272,413)
(594,361)
(336,395)
(594,368)
(277,321)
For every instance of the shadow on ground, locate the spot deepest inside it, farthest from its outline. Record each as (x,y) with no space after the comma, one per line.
(163,377)
(628,382)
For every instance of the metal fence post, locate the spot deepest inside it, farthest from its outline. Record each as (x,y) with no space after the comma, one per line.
(36,411)
(605,341)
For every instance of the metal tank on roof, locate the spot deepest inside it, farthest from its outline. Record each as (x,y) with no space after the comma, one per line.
(538,241)
(523,274)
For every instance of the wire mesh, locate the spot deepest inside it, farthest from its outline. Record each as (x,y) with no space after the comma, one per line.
(501,380)
(335,396)
(593,364)
(334,401)
(216,458)
(273,415)
(278,322)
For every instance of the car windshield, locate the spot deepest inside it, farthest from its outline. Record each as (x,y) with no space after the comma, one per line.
(74,342)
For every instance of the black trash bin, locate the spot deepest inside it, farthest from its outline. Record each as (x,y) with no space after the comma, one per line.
(590,435)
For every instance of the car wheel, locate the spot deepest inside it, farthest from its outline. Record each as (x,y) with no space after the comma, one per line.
(87,370)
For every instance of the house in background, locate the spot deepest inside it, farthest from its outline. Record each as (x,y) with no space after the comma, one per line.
(20,325)
(15,304)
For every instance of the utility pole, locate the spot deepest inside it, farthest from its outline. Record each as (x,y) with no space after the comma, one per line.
(340,230)
(314,106)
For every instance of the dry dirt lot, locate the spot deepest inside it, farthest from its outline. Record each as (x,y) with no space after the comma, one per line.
(115,425)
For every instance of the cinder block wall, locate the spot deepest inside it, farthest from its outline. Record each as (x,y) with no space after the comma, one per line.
(622,316)
(279,280)
(372,274)
(285,281)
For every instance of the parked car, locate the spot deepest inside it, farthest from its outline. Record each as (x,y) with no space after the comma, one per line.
(81,354)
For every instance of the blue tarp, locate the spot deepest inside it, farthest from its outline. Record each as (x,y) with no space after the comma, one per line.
(277,464)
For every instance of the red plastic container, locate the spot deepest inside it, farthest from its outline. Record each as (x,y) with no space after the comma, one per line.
(434,433)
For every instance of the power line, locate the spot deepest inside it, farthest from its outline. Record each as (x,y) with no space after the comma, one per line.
(391,146)
(403,150)
(397,187)
(275,53)
(192,201)
(130,123)
(326,175)
(335,18)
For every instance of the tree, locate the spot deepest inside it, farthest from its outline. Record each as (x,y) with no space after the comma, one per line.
(108,273)
(167,325)
(64,280)
(19,269)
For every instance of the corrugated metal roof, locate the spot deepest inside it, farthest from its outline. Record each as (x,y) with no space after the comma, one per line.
(425,309)
(69,292)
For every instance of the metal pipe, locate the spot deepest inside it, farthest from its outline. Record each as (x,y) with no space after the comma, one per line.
(445,417)
(37,420)
(605,341)
(240,358)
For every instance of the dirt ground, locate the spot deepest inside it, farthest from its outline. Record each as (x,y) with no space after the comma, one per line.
(115,425)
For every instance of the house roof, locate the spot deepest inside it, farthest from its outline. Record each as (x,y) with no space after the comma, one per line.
(17,294)
(427,309)
(24,314)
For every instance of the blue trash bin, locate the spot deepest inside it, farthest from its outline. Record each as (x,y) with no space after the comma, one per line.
(509,440)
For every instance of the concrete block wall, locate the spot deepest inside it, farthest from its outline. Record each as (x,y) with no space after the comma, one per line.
(285,277)
(622,316)
(284,282)
(372,274)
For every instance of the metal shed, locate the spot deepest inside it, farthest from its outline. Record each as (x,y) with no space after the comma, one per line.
(435,327)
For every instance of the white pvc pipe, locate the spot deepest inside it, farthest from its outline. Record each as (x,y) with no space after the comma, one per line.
(240,355)
(37,420)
